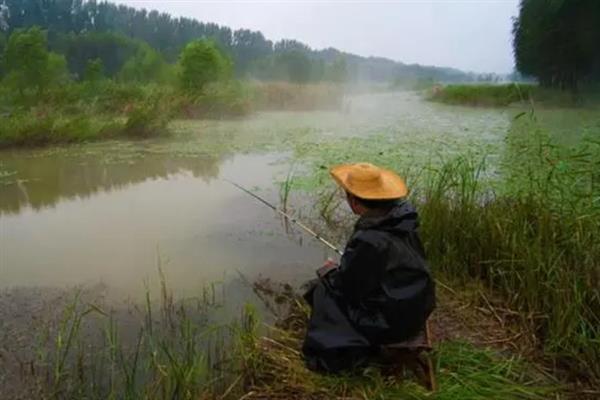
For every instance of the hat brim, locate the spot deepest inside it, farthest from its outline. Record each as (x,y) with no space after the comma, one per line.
(392,186)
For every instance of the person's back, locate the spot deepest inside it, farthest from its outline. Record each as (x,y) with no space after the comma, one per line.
(382,291)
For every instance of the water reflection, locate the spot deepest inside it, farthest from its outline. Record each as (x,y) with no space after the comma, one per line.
(199,227)
(41,179)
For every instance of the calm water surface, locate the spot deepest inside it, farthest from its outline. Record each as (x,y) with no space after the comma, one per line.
(107,212)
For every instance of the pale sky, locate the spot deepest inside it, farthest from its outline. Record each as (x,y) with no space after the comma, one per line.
(473,35)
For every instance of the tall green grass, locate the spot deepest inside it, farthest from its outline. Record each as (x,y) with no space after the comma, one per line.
(50,127)
(163,349)
(273,367)
(532,235)
(483,95)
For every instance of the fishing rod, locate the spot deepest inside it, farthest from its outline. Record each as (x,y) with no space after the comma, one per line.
(288,217)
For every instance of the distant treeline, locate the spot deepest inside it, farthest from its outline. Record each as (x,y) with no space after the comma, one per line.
(558,42)
(84,30)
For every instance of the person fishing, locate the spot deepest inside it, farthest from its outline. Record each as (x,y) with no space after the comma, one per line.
(382,291)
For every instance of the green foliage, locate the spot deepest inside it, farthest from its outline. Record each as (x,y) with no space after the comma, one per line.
(338,71)
(27,59)
(147,65)
(248,47)
(57,72)
(483,95)
(2,50)
(40,127)
(504,95)
(113,49)
(79,113)
(556,41)
(223,99)
(163,349)
(527,225)
(85,30)
(30,66)
(296,65)
(202,63)
(146,120)
(533,238)
(289,65)
(274,368)
(94,71)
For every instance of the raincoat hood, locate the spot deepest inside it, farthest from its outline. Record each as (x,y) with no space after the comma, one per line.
(402,217)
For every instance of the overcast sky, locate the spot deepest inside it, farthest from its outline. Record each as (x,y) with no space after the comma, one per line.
(473,35)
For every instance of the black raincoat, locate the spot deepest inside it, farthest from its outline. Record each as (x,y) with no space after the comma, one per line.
(381,293)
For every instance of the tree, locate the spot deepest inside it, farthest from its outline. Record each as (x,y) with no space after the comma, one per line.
(89,29)
(201,63)
(57,72)
(112,48)
(4,15)
(26,61)
(2,50)
(94,71)
(296,64)
(146,65)
(338,71)
(249,46)
(556,41)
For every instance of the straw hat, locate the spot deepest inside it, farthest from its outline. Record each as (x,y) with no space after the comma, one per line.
(369,182)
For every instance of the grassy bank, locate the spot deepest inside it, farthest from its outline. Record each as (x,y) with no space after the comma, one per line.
(486,95)
(274,369)
(82,112)
(526,224)
(535,245)
(483,95)
(165,348)
(39,127)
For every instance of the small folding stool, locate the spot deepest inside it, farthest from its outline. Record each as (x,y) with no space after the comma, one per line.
(414,355)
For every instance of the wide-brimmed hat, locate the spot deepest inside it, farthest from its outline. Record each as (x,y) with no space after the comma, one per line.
(369,182)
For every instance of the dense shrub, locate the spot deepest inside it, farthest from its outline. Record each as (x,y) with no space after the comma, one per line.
(221,99)
(146,120)
(42,127)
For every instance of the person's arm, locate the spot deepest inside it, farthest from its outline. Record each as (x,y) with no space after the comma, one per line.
(361,269)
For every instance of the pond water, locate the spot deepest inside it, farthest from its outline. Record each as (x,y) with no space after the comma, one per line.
(108,212)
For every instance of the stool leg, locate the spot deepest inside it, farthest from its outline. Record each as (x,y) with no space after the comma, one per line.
(432,384)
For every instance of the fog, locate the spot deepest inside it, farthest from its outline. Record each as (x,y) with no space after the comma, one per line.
(469,35)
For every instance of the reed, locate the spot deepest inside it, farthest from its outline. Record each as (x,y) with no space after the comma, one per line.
(483,95)
(274,367)
(161,349)
(531,235)
(285,190)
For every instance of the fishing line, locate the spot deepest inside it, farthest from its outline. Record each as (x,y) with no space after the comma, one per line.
(288,217)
